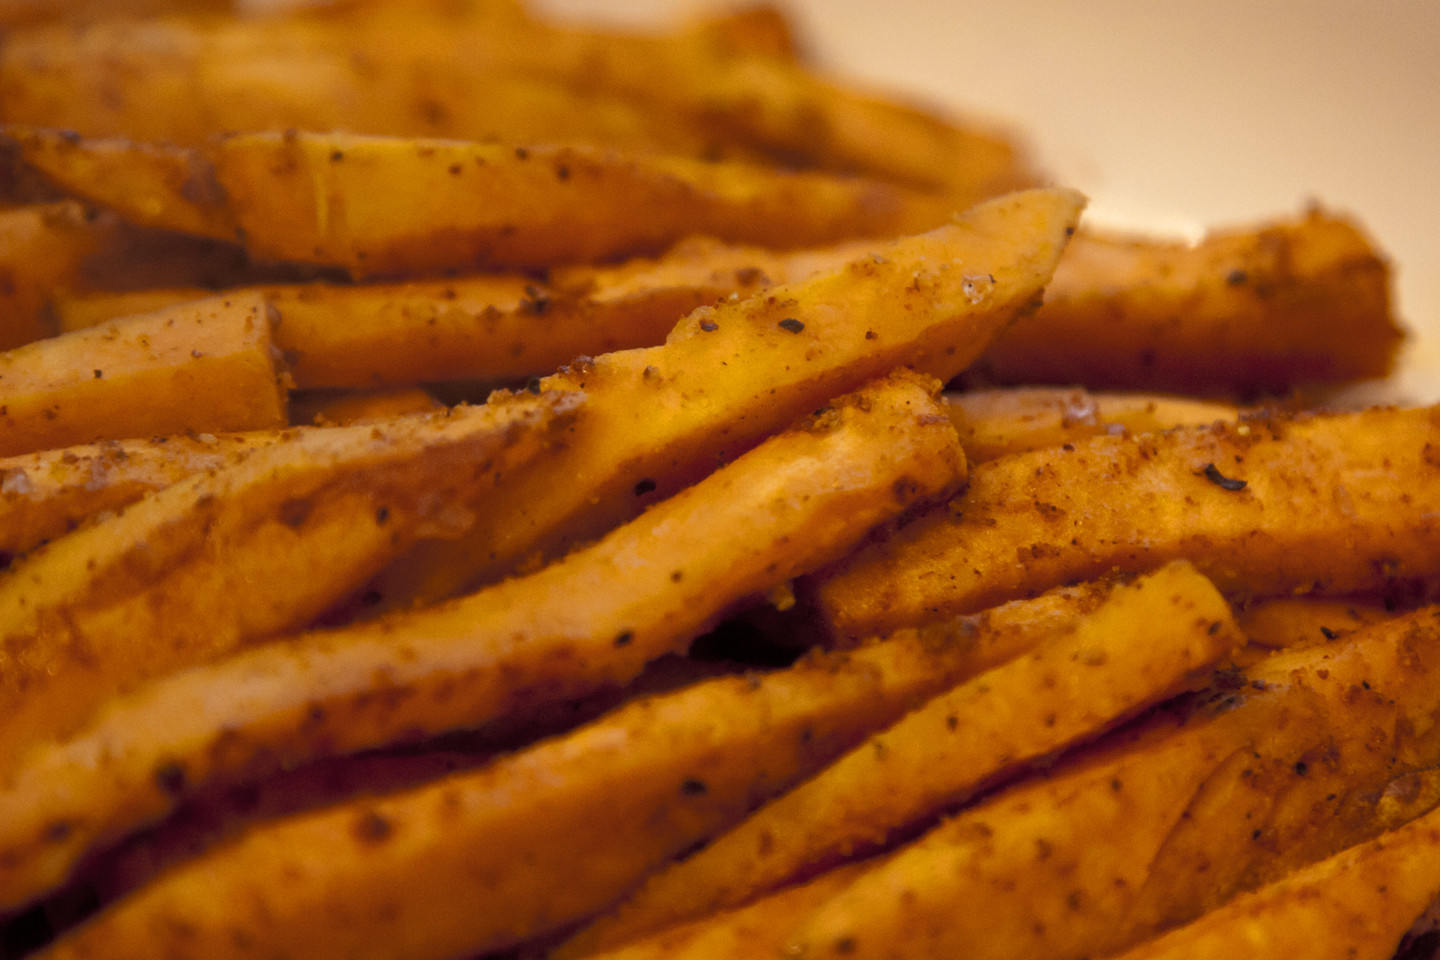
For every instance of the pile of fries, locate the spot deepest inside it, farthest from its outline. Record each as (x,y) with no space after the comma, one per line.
(476,486)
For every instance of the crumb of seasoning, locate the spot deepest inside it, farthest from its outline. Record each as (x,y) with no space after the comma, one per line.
(1213,474)
(791,324)
(533,384)
(709,326)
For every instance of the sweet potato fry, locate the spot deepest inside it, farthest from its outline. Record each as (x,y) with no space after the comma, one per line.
(994,423)
(469,863)
(1285,770)
(1329,504)
(41,249)
(231,557)
(331,198)
(660,418)
(1356,905)
(588,621)
(207,366)
(1149,641)
(491,327)
(50,492)
(1245,311)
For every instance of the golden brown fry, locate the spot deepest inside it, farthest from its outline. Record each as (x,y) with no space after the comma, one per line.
(232,557)
(491,327)
(660,418)
(1191,811)
(588,621)
(1149,641)
(1245,311)
(1330,504)
(995,423)
(206,366)
(50,492)
(379,206)
(468,863)
(1356,905)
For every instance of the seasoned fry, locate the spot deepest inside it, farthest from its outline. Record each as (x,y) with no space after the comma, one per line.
(235,556)
(1356,905)
(492,327)
(995,423)
(331,198)
(1286,622)
(1330,504)
(41,248)
(728,375)
(583,623)
(459,866)
(1245,311)
(206,367)
(50,492)
(1149,641)
(1192,811)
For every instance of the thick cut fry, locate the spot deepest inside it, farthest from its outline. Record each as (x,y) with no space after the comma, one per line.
(41,248)
(728,375)
(1149,641)
(379,206)
(204,367)
(995,423)
(231,557)
(1286,770)
(1356,905)
(586,622)
(469,863)
(491,327)
(48,493)
(1325,504)
(1303,301)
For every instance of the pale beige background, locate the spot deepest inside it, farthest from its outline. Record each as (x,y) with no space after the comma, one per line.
(1173,114)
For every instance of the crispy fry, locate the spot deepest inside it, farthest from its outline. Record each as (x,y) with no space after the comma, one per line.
(459,866)
(232,557)
(1191,812)
(1330,504)
(662,417)
(994,423)
(1245,311)
(332,199)
(491,327)
(1148,642)
(590,620)
(206,366)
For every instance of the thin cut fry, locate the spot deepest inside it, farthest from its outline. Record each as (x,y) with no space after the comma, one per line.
(1149,641)
(204,367)
(591,620)
(1330,504)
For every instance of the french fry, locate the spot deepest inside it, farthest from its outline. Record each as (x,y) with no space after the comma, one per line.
(491,327)
(1244,311)
(205,367)
(660,418)
(460,866)
(1149,641)
(586,622)
(1329,504)
(50,492)
(330,198)
(1192,811)
(1356,905)
(995,423)
(235,556)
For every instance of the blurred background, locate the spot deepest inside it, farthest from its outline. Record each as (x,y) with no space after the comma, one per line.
(1173,115)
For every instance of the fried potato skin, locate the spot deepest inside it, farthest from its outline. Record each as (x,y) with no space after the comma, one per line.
(1332,504)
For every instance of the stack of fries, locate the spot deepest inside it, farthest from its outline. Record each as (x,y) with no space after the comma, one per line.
(479,486)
